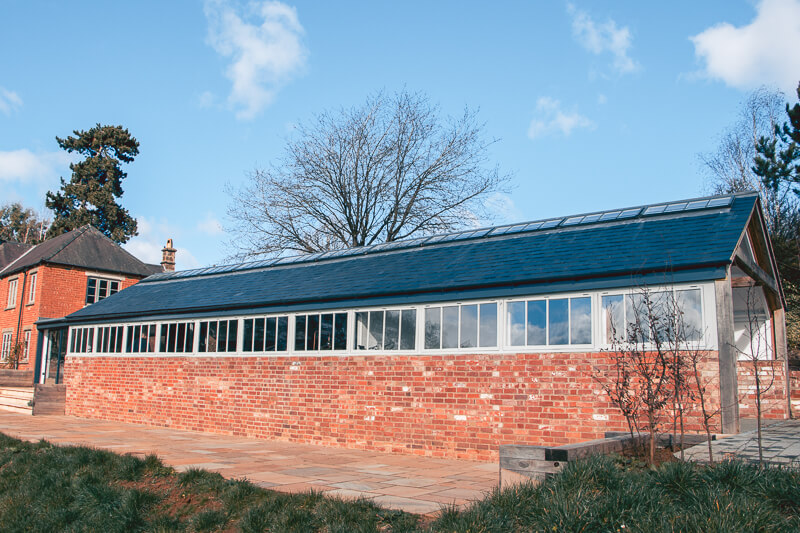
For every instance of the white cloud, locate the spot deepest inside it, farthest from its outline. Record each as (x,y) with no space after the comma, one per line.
(210,225)
(9,101)
(551,118)
(26,166)
(205,99)
(152,237)
(265,50)
(599,38)
(502,208)
(759,53)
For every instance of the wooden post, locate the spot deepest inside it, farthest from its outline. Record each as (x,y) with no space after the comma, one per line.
(781,354)
(728,378)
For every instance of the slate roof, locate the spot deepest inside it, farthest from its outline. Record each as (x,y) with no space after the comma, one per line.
(683,246)
(85,247)
(9,251)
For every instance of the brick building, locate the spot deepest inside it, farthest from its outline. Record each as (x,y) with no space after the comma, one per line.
(447,345)
(54,279)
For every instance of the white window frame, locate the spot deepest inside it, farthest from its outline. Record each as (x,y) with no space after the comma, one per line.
(97,280)
(11,302)
(5,347)
(568,347)
(32,290)
(421,316)
(353,335)
(26,335)
(708,341)
(254,353)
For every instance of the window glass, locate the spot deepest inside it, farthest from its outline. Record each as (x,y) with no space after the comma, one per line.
(375,341)
(537,323)
(692,314)
(247,335)
(469,326)
(433,321)
(283,332)
(233,331)
(559,321)
(636,327)
(450,327)
(488,334)
(391,340)
(408,329)
(91,290)
(213,335)
(102,290)
(268,333)
(580,320)
(340,331)
(362,330)
(516,323)
(326,332)
(180,336)
(312,332)
(32,292)
(613,318)
(300,332)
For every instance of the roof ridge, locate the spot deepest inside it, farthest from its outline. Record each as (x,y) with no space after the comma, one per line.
(78,232)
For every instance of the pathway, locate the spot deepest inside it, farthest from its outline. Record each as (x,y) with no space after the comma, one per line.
(780,442)
(410,483)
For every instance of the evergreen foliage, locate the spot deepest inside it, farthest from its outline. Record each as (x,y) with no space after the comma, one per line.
(92,194)
(778,158)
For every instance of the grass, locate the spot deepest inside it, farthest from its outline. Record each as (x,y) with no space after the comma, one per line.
(52,488)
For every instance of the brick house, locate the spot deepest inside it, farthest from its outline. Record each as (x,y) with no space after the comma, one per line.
(56,278)
(446,346)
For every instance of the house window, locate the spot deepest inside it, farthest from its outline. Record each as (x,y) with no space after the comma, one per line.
(461,326)
(266,334)
(394,329)
(109,339)
(177,337)
(12,293)
(550,322)
(27,350)
(642,314)
(32,293)
(141,339)
(82,340)
(99,288)
(5,348)
(326,331)
(218,336)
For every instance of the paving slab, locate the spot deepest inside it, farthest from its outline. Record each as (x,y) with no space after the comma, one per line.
(780,444)
(406,482)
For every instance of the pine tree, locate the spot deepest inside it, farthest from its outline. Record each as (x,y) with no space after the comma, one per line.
(778,158)
(92,194)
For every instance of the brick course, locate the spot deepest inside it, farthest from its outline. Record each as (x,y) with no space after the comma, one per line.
(459,406)
(772,377)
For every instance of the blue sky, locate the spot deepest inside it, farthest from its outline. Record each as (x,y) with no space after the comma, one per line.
(596,105)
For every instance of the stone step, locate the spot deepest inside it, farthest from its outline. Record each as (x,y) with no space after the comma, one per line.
(13,409)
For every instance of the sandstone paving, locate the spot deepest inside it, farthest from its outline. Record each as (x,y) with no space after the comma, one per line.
(406,482)
(780,446)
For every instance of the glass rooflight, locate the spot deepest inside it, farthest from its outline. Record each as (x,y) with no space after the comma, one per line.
(671,208)
(655,209)
(720,202)
(551,223)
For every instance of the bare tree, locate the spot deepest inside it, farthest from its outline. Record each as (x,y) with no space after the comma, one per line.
(386,170)
(730,167)
(758,349)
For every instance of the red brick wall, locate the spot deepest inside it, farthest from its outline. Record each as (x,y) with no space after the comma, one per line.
(59,292)
(451,406)
(794,383)
(772,378)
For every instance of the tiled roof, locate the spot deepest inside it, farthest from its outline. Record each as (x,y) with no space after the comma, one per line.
(659,241)
(84,247)
(9,251)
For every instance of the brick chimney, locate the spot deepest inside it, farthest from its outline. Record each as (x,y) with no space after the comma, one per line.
(168,257)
